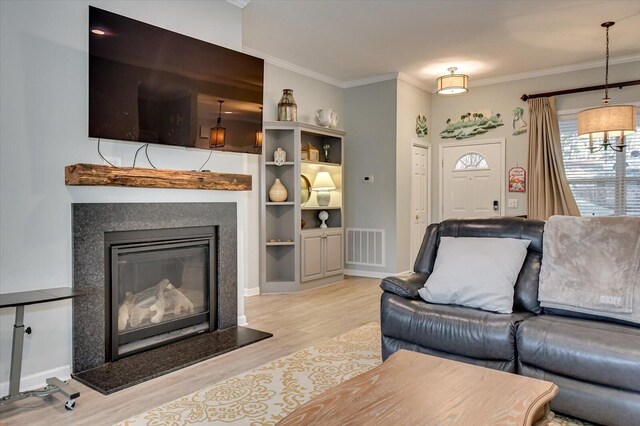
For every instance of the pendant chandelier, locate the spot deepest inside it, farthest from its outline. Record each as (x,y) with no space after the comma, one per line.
(216,137)
(609,123)
(452,84)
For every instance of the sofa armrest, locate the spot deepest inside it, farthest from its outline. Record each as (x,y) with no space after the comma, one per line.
(406,286)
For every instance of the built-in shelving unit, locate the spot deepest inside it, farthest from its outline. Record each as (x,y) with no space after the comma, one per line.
(294,258)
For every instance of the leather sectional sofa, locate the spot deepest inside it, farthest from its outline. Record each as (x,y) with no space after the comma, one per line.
(594,361)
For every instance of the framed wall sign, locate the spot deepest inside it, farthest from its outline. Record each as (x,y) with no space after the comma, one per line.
(517,180)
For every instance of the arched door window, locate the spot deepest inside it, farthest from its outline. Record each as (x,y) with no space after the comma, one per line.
(471,160)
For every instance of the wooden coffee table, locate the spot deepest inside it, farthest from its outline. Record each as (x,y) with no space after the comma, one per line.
(415,389)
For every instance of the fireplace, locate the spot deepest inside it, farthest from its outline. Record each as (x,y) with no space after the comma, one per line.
(136,247)
(161,287)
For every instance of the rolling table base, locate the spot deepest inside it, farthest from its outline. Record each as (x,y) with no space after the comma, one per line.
(53,383)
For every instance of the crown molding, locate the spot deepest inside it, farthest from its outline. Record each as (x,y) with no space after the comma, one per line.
(369,80)
(239,3)
(334,81)
(415,82)
(419,83)
(292,67)
(551,71)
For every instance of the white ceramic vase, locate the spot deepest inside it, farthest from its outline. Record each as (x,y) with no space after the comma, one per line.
(279,157)
(278,192)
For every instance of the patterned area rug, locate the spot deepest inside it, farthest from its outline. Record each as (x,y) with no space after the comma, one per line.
(266,394)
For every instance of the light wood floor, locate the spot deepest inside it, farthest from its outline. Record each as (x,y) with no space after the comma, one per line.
(296,321)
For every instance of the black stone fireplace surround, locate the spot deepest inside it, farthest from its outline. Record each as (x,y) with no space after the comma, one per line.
(92,221)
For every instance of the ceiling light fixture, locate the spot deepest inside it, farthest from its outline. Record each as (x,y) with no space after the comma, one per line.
(452,84)
(607,122)
(97,31)
(216,137)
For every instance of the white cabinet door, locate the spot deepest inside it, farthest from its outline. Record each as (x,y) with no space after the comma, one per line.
(333,253)
(311,256)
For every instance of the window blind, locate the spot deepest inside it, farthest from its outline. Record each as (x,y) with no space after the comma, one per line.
(603,183)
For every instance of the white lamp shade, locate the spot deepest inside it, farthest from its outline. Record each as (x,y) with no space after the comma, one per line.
(323,182)
(452,84)
(614,120)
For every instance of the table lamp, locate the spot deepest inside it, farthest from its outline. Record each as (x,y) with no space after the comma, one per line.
(323,184)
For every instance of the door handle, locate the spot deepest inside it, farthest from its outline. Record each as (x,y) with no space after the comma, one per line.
(496,205)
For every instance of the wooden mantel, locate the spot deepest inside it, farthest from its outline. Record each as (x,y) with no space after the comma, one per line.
(97,175)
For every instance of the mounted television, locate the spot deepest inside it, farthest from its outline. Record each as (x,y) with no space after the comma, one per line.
(148,84)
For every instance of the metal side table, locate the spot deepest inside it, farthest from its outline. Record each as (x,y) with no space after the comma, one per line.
(19,301)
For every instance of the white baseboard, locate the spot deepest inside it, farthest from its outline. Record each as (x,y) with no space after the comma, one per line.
(253,291)
(367,274)
(38,380)
(371,274)
(242,320)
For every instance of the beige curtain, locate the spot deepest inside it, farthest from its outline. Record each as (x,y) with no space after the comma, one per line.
(549,193)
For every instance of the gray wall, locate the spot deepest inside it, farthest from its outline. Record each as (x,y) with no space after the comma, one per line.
(503,98)
(43,81)
(310,95)
(370,149)
(43,116)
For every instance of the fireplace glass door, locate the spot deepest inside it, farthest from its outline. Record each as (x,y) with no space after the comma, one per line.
(160,291)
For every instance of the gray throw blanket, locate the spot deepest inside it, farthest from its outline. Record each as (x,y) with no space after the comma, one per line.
(592,265)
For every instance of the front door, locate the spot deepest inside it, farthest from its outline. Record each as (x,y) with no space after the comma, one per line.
(420,196)
(472,179)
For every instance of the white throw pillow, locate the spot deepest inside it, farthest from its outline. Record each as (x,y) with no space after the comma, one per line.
(476,272)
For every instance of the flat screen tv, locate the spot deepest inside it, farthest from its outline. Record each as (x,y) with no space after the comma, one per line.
(148,84)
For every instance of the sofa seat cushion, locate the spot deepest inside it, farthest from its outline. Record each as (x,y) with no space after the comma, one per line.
(452,329)
(597,352)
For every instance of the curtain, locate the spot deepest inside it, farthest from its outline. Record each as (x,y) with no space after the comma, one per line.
(549,193)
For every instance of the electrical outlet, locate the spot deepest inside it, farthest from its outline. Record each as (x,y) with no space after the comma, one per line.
(116,161)
(513,203)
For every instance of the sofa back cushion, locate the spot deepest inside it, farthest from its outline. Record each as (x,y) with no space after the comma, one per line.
(526,288)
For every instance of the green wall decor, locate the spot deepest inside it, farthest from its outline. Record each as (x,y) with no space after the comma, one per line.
(421,126)
(518,123)
(471,124)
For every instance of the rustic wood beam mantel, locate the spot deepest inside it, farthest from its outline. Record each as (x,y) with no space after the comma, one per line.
(97,175)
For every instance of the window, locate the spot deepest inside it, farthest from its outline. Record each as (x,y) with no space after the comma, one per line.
(472,160)
(605,182)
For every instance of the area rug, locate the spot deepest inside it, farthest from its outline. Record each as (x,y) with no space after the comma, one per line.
(266,394)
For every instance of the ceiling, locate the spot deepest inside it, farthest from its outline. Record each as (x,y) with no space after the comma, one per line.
(346,42)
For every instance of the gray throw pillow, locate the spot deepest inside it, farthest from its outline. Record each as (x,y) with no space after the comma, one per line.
(476,272)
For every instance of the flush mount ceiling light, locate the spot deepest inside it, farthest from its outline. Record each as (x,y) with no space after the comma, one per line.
(452,84)
(607,122)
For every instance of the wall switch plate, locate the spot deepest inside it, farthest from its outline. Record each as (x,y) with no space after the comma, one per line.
(513,203)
